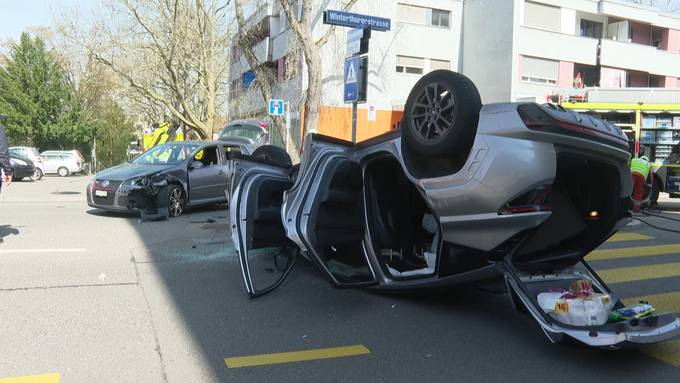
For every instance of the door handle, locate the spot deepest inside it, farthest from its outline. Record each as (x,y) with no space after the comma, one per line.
(221,172)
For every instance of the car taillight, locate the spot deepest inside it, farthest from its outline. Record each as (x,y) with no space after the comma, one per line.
(535,118)
(38,159)
(533,201)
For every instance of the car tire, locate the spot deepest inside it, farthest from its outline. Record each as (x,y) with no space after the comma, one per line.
(37,175)
(176,201)
(273,154)
(63,172)
(441,114)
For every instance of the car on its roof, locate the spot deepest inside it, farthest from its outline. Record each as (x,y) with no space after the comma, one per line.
(511,193)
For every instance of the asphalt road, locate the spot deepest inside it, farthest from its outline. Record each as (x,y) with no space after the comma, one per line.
(92,297)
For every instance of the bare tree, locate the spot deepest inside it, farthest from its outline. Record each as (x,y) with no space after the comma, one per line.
(266,78)
(311,48)
(172,54)
(671,6)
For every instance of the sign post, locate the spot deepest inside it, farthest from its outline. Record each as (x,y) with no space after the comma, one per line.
(356,63)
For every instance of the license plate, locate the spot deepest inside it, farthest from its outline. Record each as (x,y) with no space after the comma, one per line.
(101,193)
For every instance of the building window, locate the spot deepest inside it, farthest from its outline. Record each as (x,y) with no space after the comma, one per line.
(423,16)
(542,16)
(591,28)
(408,64)
(440,64)
(439,18)
(539,71)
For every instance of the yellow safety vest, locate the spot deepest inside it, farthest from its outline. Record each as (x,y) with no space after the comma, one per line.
(640,166)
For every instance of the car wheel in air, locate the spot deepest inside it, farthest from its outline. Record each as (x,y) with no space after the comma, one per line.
(441,114)
(63,172)
(273,154)
(37,175)
(176,201)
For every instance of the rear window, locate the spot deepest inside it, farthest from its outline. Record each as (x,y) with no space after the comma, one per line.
(247,131)
(34,151)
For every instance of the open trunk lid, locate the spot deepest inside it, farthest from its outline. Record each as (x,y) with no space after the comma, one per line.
(524,288)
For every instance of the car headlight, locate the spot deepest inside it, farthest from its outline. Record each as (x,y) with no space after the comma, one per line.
(137,182)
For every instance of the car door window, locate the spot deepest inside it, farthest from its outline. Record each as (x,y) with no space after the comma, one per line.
(207,156)
(230,150)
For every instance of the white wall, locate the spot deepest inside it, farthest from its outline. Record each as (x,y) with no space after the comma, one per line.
(639,57)
(556,46)
(487,56)
(388,89)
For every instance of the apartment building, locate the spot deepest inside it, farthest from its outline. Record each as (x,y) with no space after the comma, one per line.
(529,50)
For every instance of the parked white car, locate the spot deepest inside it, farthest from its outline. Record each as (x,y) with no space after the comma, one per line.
(33,155)
(63,162)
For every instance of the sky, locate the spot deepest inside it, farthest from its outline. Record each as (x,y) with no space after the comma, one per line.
(17,15)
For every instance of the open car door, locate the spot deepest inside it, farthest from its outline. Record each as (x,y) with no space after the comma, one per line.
(265,253)
(325,215)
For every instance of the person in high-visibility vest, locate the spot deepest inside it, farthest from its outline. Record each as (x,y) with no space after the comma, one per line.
(639,168)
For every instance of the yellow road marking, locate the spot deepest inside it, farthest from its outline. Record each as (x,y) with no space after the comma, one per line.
(629,252)
(620,237)
(44,378)
(638,273)
(296,356)
(668,352)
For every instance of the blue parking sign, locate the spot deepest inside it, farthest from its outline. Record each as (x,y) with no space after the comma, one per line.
(276,107)
(351,93)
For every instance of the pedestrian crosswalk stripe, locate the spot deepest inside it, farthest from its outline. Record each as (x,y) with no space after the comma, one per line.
(666,302)
(621,237)
(44,378)
(628,274)
(628,252)
(668,352)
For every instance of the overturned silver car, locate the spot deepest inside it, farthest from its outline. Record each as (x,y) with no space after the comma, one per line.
(463,194)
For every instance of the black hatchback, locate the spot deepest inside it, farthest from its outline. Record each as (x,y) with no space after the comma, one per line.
(22,167)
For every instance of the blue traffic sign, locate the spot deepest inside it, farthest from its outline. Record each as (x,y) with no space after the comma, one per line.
(276,107)
(356,20)
(351,93)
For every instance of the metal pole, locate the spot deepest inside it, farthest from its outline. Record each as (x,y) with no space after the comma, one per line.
(287,106)
(354,122)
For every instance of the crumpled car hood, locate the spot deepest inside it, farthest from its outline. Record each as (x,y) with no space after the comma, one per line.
(126,171)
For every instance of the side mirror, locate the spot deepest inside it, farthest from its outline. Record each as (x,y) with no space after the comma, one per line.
(195,165)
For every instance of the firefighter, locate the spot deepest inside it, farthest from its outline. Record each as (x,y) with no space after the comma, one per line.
(639,168)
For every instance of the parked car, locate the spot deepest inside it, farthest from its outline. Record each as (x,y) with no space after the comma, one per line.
(63,162)
(516,193)
(22,167)
(255,131)
(194,173)
(32,154)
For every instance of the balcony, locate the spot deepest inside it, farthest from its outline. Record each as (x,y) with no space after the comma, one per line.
(263,52)
(638,57)
(557,46)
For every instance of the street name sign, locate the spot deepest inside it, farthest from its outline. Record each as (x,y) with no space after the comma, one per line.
(347,19)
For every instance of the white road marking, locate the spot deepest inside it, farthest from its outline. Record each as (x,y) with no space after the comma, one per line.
(38,251)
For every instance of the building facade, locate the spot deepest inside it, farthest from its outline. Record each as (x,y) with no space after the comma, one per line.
(514,50)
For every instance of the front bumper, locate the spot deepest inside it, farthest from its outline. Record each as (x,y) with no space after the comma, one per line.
(120,198)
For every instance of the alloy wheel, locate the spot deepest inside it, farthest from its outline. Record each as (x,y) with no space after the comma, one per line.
(432,113)
(176,202)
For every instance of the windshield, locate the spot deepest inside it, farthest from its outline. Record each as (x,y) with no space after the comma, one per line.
(247,131)
(168,154)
